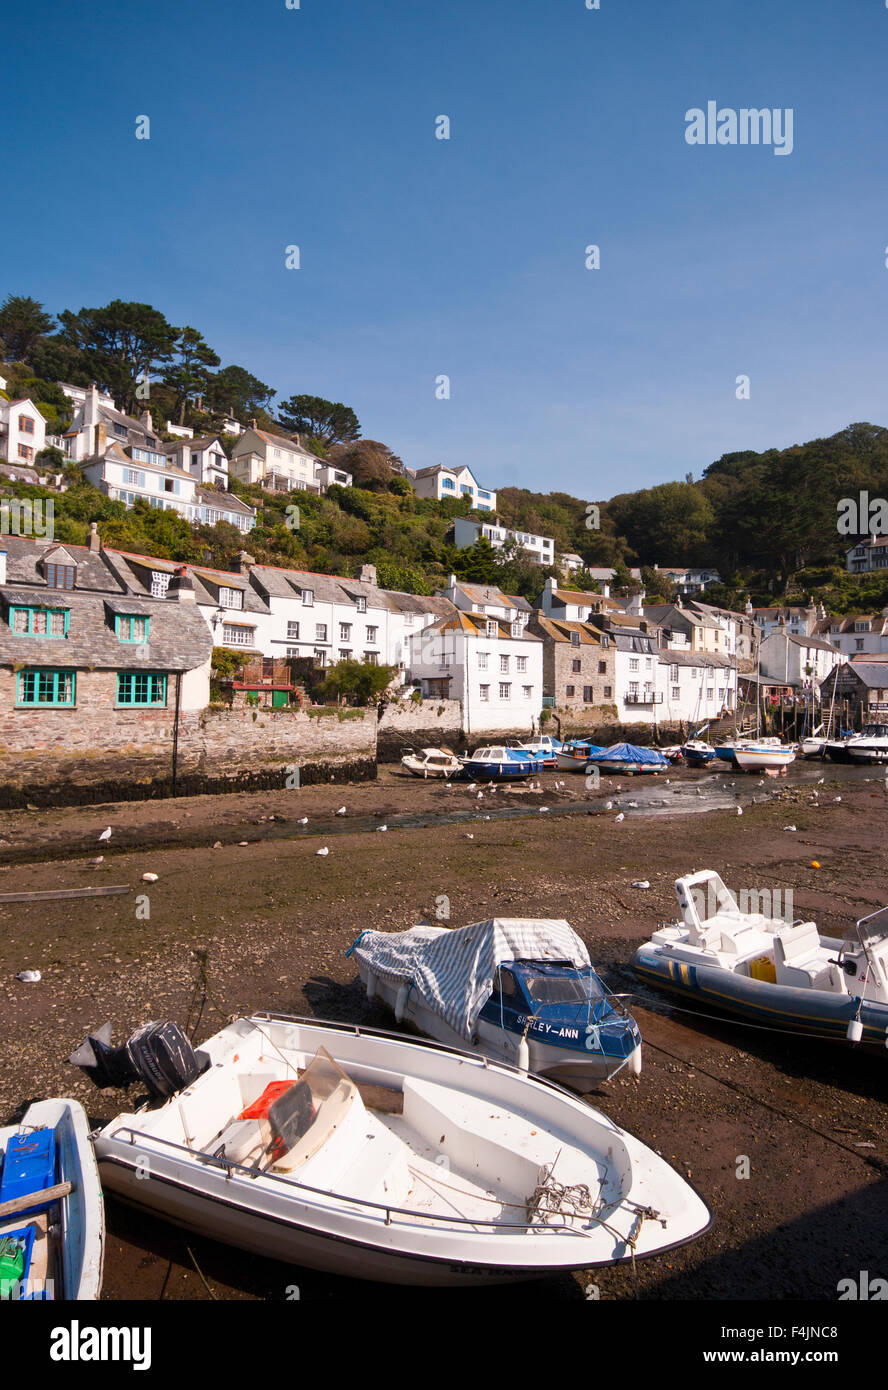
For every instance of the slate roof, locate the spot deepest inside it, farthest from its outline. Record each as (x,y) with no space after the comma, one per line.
(178,638)
(560,629)
(475,625)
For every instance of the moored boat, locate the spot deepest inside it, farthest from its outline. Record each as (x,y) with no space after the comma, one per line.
(432,762)
(573,755)
(498,762)
(628,760)
(367,1154)
(870,746)
(544,748)
(697,753)
(782,975)
(520,989)
(52,1218)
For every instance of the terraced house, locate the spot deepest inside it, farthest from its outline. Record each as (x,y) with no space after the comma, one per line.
(578,664)
(89,656)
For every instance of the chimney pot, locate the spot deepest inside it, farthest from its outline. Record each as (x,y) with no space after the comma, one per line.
(95,543)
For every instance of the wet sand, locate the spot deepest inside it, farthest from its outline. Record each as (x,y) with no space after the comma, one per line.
(276,920)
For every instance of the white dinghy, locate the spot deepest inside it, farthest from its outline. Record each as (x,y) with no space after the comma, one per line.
(52,1218)
(393,1159)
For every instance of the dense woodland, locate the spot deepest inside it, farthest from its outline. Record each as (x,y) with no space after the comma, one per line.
(767,521)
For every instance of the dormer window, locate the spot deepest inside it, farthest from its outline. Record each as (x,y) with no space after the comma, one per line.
(308,597)
(516,629)
(491,628)
(160,582)
(605,640)
(574,639)
(59,576)
(231,598)
(39,622)
(361,605)
(130,627)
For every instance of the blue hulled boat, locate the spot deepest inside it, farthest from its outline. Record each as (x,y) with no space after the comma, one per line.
(500,763)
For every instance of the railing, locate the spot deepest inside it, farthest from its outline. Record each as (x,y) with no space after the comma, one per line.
(647,697)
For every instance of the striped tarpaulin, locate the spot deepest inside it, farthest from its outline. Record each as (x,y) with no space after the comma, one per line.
(453,971)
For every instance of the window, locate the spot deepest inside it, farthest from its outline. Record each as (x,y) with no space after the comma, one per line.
(575,639)
(131,628)
(409,619)
(673,673)
(576,666)
(120,430)
(521,663)
(447,482)
(721,695)
(59,576)
(345,632)
(292,632)
(160,582)
(344,655)
(605,640)
(361,605)
(527,691)
(676,692)
(25,452)
(710,693)
(46,688)
(516,629)
(569,691)
(371,634)
(608,692)
(633,687)
(26,424)
(292,651)
(320,656)
(485,692)
(504,663)
(170,485)
(492,628)
(134,477)
(372,659)
(505,690)
(588,695)
(231,598)
(858,644)
(39,622)
(308,597)
(633,663)
(141,688)
(602,668)
(320,632)
(482,661)
(233,635)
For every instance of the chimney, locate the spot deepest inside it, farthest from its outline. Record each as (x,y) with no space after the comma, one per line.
(605,589)
(2,566)
(91,406)
(244,562)
(367,574)
(147,422)
(95,543)
(181,589)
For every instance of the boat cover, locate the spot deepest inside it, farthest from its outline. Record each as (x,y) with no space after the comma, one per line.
(628,753)
(453,971)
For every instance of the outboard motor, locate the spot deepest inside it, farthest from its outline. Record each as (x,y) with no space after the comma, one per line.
(157,1054)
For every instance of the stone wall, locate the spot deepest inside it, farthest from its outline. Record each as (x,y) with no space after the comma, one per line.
(410,724)
(95,752)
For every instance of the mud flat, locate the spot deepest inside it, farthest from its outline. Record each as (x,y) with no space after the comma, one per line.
(275,920)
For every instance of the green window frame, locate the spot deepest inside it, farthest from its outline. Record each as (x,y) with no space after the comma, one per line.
(146,689)
(38,687)
(125,627)
(38,621)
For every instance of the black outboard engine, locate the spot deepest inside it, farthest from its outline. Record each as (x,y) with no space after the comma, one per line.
(158,1054)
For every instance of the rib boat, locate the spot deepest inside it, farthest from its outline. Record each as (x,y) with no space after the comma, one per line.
(520,989)
(389,1158)
(785,976)
(52,1220)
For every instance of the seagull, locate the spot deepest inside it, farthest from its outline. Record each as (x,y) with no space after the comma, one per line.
(470,837)
(789,827)
(303,820)
(820,781)
(382,827)
(323,851)
(480,796)
(341,811)
(544,808)
(837,798)
(106,834)
(608,805)
(619,818)
(471,787)
(739,810)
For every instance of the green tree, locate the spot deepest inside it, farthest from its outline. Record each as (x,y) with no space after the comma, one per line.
(236,392)
(328,421)
(189,375)
(356,681)
(370,463)
(23,322)
(122,344)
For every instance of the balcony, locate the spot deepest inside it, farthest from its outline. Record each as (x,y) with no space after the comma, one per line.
(643,697)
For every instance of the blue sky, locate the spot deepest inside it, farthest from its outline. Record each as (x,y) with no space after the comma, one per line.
(422,257)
